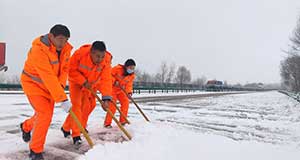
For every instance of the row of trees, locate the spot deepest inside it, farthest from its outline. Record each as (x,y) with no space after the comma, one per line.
(170,73)
(6,79)
(290,66)
(167,73)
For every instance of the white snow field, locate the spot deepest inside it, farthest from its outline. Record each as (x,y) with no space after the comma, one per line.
(261,126)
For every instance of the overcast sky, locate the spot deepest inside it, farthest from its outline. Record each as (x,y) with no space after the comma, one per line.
(233,40)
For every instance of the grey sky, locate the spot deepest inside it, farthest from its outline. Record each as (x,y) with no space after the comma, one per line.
(233,40)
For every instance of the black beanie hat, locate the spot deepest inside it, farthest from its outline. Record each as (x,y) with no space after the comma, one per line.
(129,62)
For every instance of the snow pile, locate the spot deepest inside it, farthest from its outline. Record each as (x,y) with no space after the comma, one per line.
(157,141)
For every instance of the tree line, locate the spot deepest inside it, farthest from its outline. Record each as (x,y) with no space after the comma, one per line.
(167,73)
(170,73)
(290,65)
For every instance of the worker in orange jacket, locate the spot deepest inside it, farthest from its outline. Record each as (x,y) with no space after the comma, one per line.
(123,76)
(90,68)
(43,80)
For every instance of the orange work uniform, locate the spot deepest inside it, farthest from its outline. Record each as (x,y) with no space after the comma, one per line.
(82,69)
(126,82)
(43,80)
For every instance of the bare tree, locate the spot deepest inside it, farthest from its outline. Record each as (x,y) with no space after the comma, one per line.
(295,39)
(200,82)
(9,79)
(14,79)
(165,73)
(157,78)
(161,76)
(290,66)
(183,75)
(138,75)
(146,77)
(171,73)
(290,72)
(143,76)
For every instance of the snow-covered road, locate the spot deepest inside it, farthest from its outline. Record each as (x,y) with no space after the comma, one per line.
(268,117)
(262,125)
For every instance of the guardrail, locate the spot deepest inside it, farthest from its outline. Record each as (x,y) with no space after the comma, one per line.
(13,87)
(149,87)
(137,89)
(295,96)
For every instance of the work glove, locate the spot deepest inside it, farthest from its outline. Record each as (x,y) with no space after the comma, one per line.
(66,105)
(129,95)
(105,104)
(87,85)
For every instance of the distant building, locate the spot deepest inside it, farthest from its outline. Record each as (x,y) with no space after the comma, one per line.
(214,85)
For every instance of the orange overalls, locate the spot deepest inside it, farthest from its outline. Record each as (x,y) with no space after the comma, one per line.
(82,69)
(43,80)
(120,80)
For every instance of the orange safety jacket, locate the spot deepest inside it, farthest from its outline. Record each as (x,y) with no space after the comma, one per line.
(82,69)
(45,73)
(122,80)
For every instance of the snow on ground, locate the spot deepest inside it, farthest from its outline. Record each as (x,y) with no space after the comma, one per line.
(247,126)
(262,125)
(165,142)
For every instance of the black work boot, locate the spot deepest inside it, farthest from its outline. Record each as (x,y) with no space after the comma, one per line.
(107,126)
(124,124)
(35,156)
(66,133)
(26,136)
(77,140)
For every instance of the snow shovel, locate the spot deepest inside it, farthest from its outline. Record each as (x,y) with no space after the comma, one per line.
(121,113)
(110,113)
(87,137)
(133,101)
